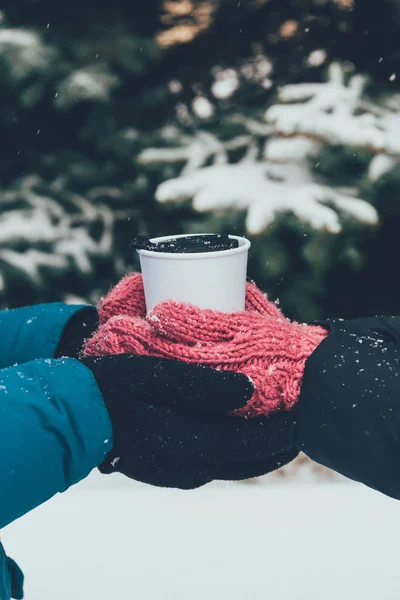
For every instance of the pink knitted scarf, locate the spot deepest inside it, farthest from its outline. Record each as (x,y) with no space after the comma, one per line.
(259,342)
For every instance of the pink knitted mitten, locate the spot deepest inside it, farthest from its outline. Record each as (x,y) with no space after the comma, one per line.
(126,298)
(259,342)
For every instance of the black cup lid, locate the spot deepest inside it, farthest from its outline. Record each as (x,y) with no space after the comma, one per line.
(189,244)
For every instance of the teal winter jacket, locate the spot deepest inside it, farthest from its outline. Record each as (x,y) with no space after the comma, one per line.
(54,426)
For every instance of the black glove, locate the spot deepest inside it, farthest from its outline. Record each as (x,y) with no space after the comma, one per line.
(80,327)
(159,440)
(348,414)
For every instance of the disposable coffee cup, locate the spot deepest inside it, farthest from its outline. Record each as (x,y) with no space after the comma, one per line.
(206,270)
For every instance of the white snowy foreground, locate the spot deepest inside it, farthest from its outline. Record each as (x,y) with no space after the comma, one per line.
(112,539)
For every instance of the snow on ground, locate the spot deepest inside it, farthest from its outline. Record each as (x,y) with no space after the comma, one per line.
(109,538)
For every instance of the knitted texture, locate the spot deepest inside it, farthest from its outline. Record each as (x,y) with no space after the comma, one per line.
(258,342)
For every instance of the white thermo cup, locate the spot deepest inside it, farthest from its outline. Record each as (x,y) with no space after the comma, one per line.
(214,280)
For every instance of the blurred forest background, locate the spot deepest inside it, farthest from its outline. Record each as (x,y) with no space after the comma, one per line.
(276,119)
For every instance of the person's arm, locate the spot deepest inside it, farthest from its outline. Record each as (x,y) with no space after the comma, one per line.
(348,414)
(339,380)
(158,421)
(54,429)
(36,331)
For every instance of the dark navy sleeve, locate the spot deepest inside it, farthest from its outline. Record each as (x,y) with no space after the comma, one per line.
(348,415)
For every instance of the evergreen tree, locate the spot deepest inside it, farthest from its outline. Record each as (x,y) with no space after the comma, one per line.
(275,119)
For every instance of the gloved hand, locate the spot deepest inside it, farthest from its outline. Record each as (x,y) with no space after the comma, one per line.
(259,342)
(79,328)
(348,409)
(170,425)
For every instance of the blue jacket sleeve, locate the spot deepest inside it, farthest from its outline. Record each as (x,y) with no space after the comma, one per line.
(33,332)
(54,429)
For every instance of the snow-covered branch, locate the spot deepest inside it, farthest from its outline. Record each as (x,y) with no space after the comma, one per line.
(194,152)
(54,239)
(274,175)
(336,113)
(265,192)
(94,84)
(25,53)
